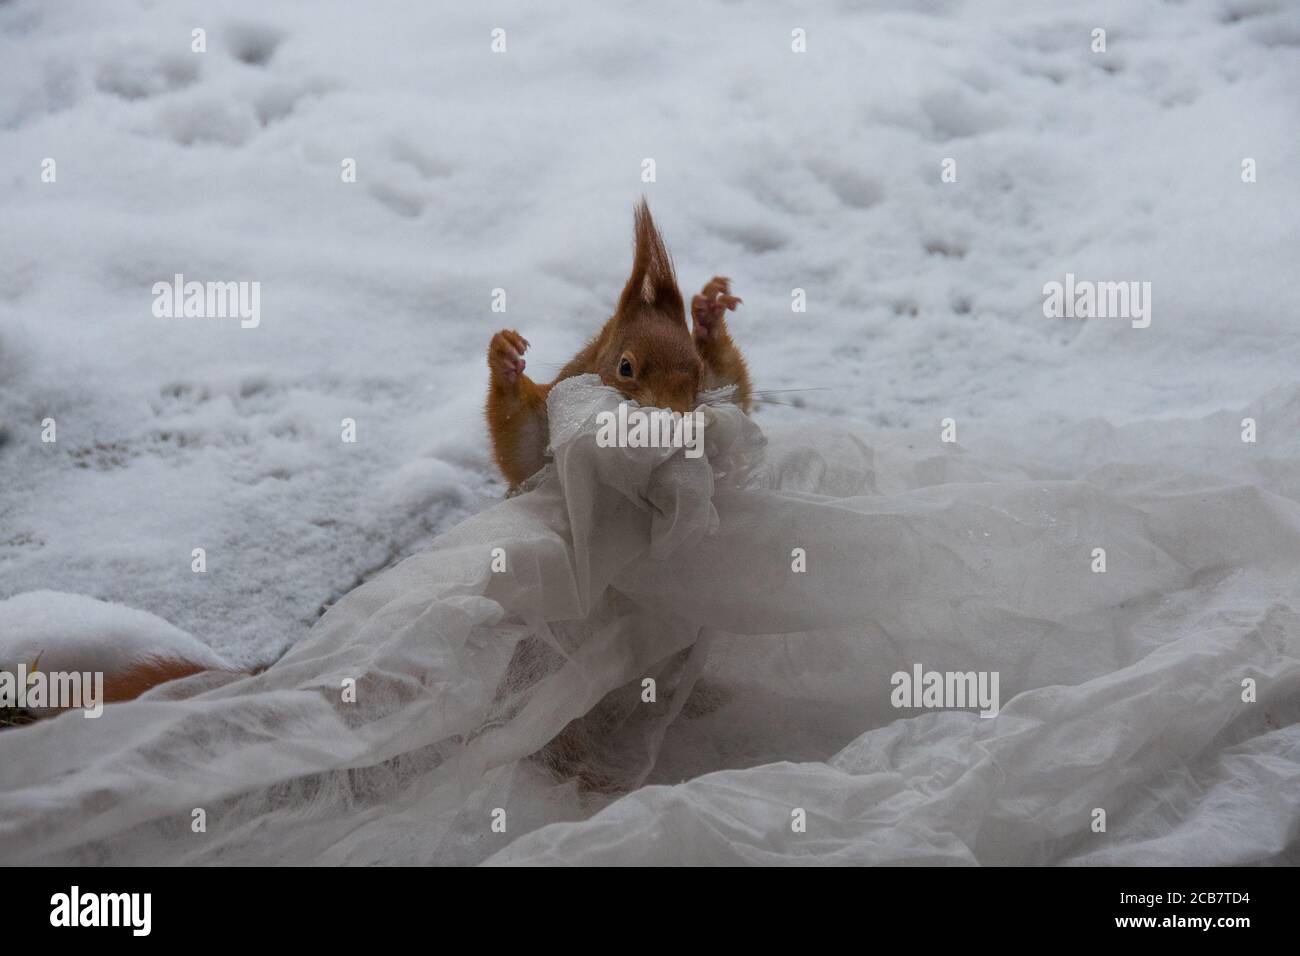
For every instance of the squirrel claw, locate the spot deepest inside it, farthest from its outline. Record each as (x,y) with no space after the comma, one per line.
(710,305)
(506,356)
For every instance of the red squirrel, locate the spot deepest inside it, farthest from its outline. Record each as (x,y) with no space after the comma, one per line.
(645,350)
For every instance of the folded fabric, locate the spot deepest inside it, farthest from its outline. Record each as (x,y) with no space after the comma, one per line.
(648,657)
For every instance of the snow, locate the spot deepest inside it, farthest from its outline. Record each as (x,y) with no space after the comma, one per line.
(518,170)
(67,632)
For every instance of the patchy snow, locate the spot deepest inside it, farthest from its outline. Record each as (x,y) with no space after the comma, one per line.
(518,170)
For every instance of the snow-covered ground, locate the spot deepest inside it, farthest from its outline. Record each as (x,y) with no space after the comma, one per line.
(479,170)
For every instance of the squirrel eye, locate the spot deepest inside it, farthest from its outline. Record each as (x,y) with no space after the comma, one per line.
(625,368)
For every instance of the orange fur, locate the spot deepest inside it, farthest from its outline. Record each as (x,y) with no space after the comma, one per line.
(143,675)
(647,335)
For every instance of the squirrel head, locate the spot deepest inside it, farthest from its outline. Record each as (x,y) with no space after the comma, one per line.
(649,354)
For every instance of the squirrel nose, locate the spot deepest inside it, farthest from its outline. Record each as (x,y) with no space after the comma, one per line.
(680,400)
(679,396)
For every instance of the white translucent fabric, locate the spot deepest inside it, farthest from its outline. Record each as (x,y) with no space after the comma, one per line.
(1120,691)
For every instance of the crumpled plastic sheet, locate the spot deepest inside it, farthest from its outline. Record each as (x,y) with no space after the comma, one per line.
(500,715)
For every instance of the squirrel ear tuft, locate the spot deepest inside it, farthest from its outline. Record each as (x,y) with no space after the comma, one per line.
(653,281)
